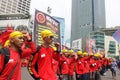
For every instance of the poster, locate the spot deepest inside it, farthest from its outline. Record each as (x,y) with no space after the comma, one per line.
(90,46)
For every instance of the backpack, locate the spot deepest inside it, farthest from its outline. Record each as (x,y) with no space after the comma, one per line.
(6,53)
(30,62)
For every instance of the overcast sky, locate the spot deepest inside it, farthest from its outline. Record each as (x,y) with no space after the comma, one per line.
(62,8)
(112,13)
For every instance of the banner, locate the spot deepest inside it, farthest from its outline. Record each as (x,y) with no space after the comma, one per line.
(90,45)
(77,44)
(43,21)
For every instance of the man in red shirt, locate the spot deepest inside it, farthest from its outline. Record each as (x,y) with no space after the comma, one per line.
(12,70)
(86,59)
(64,70)
(45,56)
(79,67)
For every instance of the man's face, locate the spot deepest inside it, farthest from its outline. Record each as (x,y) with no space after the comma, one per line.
(49,39)
(18,41)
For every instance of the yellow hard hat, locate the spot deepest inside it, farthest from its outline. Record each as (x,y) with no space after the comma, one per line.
(79,52)
(91,54)
(85,54)
(71,51)
(46,33)
(64,50)
(15,34)
(99,55)
(96,55)
(54,48)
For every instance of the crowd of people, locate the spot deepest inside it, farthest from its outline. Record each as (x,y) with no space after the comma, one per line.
(51,62)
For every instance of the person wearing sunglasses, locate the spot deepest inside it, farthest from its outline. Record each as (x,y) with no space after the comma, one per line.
(44,57)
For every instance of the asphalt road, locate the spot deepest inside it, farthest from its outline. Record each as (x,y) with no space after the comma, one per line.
(25,74)
(108,76)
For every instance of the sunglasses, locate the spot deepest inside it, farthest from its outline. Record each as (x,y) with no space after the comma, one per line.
(51,37)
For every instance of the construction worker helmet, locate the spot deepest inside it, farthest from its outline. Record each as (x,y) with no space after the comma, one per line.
(46,33)
(71,51)
(64,51)
(79,52)
(54,48)
(85,54)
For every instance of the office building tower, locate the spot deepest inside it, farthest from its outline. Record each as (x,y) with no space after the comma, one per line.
(87,16)
(14,6)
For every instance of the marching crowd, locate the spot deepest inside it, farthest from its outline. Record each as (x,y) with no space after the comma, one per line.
(84,66)
(48,63)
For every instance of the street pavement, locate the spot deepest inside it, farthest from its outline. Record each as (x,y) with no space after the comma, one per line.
(25,74)
(108,76)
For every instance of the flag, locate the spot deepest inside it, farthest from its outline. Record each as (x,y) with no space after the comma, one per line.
(4,34)
(116,35)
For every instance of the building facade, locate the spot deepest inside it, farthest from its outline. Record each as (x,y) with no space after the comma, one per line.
(14,20)
(14,6)
(99,38)
(112,47)
(87,16)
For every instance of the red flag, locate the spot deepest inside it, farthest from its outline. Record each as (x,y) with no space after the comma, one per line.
(4,35)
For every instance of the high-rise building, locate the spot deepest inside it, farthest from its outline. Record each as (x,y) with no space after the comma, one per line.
(87,16)
(62,28)
(14,6)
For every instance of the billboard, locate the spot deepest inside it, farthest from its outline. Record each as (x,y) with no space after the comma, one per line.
(44,21)
(90,46)
(77,44)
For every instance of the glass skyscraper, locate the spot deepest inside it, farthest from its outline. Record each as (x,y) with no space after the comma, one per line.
(87,16)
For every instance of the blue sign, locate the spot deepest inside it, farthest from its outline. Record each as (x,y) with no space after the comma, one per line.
(116,35)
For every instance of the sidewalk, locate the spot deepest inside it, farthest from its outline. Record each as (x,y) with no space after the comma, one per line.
(108,76)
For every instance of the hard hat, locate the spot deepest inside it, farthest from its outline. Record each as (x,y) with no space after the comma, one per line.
(54,48)
(91,54)
(64,50)
(96,55)
(71,51)
(99,55)
(85,54)
(79,52)
(46,33)
(16,34)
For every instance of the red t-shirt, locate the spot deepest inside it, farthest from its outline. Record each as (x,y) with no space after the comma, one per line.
(44,60)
